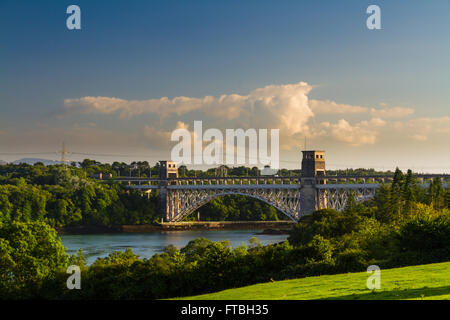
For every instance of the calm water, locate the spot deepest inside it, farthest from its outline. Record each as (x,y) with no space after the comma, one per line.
(147,244)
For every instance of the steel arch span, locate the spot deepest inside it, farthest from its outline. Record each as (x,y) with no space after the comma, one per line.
(294,196)
(336,196)
(182,202)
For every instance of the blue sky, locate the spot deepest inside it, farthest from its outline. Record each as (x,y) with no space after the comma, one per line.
(140,50)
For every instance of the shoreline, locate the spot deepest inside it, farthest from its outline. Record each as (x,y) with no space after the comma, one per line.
(269,227)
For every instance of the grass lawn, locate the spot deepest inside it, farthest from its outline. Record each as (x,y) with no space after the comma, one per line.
(431,281)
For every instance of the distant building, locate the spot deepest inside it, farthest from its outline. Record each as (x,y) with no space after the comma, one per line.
(101,176)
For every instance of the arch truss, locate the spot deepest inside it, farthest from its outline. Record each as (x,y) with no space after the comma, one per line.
(183,200)
(294,196)
(335,196)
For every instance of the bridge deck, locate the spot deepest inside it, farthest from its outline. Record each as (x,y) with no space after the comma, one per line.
(274,179)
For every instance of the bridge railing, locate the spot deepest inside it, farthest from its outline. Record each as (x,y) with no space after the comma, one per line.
(353,179)
(244,180)
(257,180)
(423,179)
(145,183)
(420,178)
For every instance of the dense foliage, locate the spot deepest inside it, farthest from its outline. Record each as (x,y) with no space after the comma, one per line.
(74,201)
(238,208)
(66,196)
(30,253)
(403,225)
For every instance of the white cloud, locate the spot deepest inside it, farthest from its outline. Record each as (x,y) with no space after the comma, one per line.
(331,107)
(390,113)
(130,108)
(274,106)
(421,129)
(362,133)
(158,137)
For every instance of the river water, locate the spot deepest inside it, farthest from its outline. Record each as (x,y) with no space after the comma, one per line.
(146,245)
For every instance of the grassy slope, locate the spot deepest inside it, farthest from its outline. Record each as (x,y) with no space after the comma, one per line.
(430,281)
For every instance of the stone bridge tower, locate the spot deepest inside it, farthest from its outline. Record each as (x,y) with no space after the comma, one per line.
(167,169)
(313,166)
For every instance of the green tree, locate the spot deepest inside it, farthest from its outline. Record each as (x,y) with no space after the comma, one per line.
(382,201)
(397,189)
(319,249)
(410,193)
(436,194)
(30,252)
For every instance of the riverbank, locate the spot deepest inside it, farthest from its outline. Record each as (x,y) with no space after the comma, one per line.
(147,244)
(269,227)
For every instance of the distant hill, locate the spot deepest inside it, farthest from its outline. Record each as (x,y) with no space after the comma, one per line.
(3,162)
(35,160)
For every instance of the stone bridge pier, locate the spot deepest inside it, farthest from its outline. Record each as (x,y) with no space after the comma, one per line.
(308,196)
(313,167)
(167,170)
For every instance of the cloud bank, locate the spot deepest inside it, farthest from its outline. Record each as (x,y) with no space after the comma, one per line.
(285,107)
(274,106)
